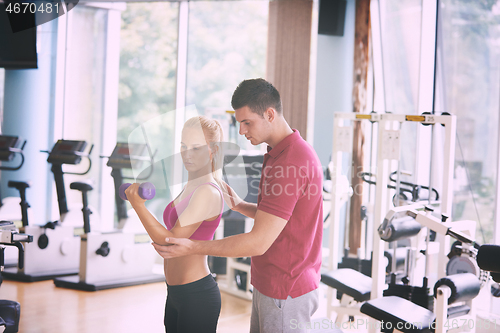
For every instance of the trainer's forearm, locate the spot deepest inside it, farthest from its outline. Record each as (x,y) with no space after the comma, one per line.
(246,208)
(241,245)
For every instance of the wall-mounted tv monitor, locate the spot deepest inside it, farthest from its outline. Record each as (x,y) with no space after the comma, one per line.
(17,50)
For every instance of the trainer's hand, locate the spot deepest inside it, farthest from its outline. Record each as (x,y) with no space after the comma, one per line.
(177,247)
(230,197)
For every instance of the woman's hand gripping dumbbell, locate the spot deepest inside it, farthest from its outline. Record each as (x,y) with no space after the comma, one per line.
(146,190)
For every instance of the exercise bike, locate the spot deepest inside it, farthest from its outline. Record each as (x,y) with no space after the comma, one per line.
(118,258)
(10,148)
(56,249)
(10,311)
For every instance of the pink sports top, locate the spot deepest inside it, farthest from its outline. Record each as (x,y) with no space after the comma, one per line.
(205,231)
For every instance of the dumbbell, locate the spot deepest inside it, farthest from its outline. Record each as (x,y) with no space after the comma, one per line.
(146,190)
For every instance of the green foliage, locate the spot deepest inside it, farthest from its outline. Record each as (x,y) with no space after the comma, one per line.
(148,61)
(227,44)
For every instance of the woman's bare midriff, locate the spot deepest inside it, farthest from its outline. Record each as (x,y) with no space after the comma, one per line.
(185,269)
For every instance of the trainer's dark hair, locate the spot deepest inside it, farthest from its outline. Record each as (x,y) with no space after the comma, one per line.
(258,95)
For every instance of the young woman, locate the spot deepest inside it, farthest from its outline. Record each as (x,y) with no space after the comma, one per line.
(193,297)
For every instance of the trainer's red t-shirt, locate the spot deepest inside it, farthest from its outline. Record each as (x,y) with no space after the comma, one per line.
(291,188)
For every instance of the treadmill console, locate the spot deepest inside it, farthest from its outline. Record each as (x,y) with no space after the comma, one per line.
(128,156)
(67,152)
(8,145)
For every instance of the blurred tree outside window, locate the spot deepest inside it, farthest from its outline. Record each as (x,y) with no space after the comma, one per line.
(470,56)
(147,86)
(148,63)
(401,23)
(401,27)
(227,44)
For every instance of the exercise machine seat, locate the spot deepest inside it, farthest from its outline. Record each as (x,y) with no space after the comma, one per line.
(80,186)
(18,185)
(463,286)
(10,312)
(349,281)
(402,314)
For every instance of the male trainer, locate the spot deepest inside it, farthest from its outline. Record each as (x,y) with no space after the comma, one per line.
(285,241)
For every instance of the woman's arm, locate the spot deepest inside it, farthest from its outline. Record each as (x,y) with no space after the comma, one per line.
(205,203)
(200,207)
(154,229)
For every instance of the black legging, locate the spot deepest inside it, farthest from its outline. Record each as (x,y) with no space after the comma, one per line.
(193,307)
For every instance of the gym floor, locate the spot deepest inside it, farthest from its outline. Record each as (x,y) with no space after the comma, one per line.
(46,308)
